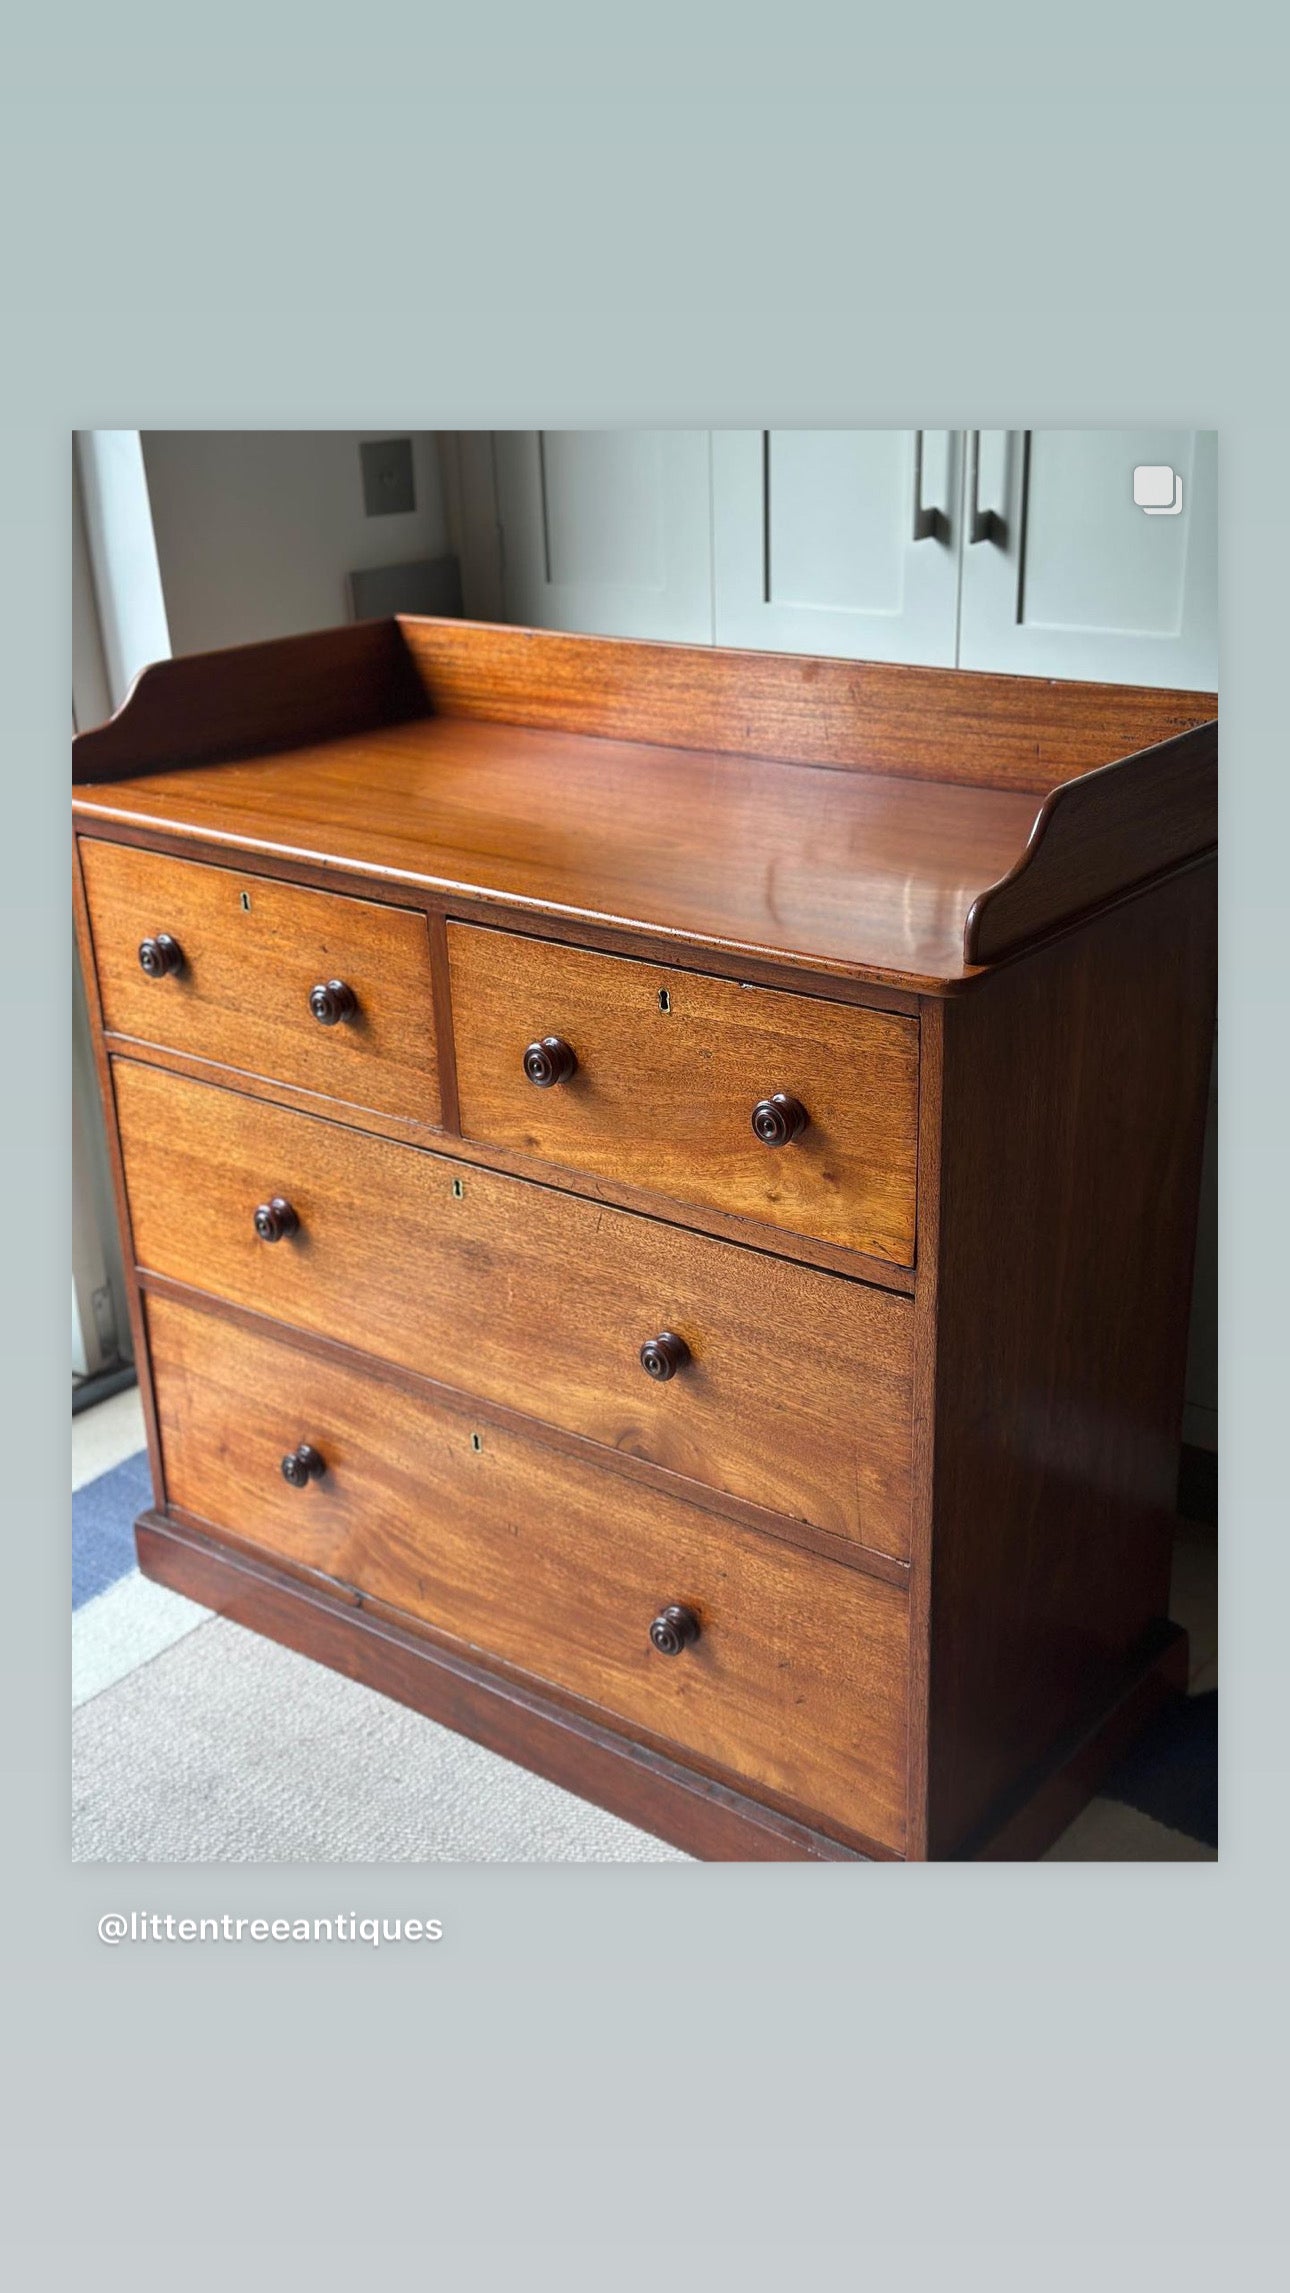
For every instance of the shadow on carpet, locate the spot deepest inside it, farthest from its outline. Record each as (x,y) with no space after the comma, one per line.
(1171,1772)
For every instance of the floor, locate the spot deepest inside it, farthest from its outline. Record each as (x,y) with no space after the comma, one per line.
(194,1741)
(133,1621)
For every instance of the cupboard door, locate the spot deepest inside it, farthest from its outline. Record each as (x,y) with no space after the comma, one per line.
(841,542)
(1064,575)
(606,531)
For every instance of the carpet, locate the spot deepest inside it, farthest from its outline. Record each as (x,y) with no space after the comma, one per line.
(229,1749)
(103,1515)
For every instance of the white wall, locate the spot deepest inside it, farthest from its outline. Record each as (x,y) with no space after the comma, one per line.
(118,624)
(125,576)
(257,529)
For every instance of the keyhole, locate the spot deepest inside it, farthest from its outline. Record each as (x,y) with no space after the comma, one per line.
(477,1441)
(458,1188)
(664,1000)
(246,903)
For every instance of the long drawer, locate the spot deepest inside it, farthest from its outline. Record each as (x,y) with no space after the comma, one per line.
(782,1385)
(316,989)
(785,1670)
(785,1108)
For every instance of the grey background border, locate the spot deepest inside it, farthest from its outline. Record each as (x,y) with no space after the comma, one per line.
(1010,2074)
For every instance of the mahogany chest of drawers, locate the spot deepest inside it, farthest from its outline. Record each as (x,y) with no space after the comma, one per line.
(660,1189)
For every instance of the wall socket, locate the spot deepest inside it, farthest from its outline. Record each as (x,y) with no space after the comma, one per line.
(389,489)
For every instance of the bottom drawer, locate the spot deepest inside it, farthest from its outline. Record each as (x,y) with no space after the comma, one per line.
(796,1682)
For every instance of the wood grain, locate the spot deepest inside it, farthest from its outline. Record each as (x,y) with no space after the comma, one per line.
(856,813)
(869,716)
(838,982)
(910,876)
(923,1462)
(779,860)
(1072,1130)
(963,919)
(634,1780)
(536,1299)
(855,1265)
(797,1682)
(277,695)
(1023,733)
(664,1099)
(483,1412)
(1097,835)
(253,950)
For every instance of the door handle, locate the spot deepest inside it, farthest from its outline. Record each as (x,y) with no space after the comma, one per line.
(929,524)
(982,525)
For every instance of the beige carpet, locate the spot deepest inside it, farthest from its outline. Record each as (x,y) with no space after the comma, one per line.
(229,1749)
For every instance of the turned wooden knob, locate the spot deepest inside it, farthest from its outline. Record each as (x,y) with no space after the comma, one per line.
(275,1219)
(161,956)
(331,1001)
(663,1356)
(303,1465)
(550,1061)
(778,1119)
(673,1629)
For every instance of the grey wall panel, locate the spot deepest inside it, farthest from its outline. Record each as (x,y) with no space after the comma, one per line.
(1073,578)
(607,531)
(824,543)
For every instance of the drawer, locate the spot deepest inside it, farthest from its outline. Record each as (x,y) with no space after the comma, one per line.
(797,1682)
(668,1068)
(252,951)
(797,1389)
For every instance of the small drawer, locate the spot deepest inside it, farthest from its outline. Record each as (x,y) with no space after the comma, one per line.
(315,989)
(784,1108)
(769,1380)
(794,1682)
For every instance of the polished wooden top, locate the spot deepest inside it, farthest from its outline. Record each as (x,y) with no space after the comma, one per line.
(860,830)
(842,868)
